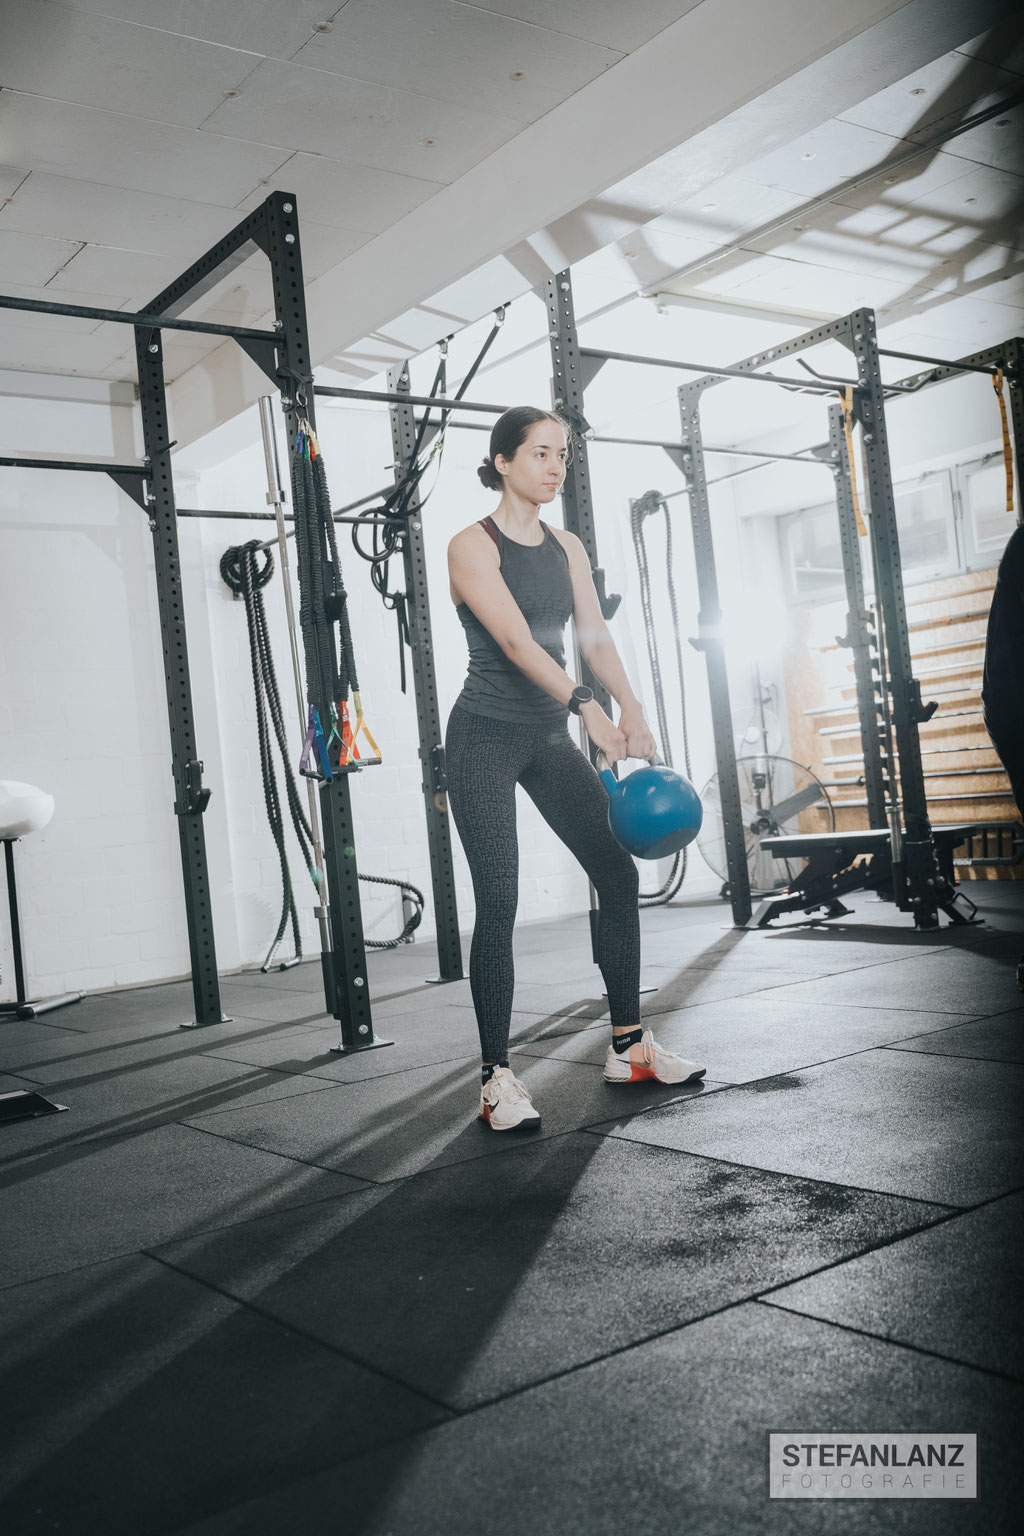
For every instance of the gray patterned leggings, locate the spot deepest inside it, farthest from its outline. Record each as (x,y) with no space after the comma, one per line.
(485,760)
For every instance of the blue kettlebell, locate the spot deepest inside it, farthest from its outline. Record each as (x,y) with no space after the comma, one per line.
(653,811)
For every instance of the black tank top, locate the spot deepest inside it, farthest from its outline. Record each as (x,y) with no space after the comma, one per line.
(538,577)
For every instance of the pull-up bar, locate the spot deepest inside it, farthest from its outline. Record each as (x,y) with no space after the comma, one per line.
(331,391)
(725,373)
(155,322)
(103,469)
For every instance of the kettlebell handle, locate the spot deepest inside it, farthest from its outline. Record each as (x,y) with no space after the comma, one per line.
(603,765)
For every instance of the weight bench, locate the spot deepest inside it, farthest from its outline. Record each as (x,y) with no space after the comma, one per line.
(832,870)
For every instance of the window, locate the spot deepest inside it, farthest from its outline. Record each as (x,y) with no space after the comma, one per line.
(987,524)
(812,557)
(926,520)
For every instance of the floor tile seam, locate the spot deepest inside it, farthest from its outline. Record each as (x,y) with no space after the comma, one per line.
(290,1326)
(113,1074)
(992,1061)
(58,1029)
(22,1077)
(881,1338)
(749,1082)
(777,1173)
(105,1137)
(288,1157)
(342,1082)
(881,1243)
(54,1274)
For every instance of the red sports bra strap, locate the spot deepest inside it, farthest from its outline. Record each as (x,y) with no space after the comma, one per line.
(491,527)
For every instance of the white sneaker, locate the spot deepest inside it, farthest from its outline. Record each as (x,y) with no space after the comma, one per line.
(649,1060)
(505,1103)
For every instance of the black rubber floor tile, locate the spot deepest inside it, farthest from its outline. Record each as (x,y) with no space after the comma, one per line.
(18,1034)
(477,1280)
(813,951)
(666,1438)
(745,1038)
(170,1004)
(253,1000)
(88,1056)
(417,1040)
(926,1127)
(387,1127)
(955,1290)
(961,982)
(135,1098)
(997,1039)
(398,999)
(96,1200)
(136,1399)
(675,989)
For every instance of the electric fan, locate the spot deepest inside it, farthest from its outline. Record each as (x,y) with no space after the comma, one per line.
(774,792)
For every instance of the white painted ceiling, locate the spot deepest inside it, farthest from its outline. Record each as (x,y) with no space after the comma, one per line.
(447,155)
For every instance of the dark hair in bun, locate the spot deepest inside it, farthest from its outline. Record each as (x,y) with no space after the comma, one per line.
(489,477)
(508,436)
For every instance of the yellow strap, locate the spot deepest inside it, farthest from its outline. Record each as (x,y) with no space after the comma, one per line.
(997,385)
(361,725)
(846,396)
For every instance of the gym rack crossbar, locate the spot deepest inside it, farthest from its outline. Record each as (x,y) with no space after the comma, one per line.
(283,355)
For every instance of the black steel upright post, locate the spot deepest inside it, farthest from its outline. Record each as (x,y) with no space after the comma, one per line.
(860,636)
(428,710)
(918,884)
(344,967)
(568,381)
(1014,376)
(190,797)
(709,639)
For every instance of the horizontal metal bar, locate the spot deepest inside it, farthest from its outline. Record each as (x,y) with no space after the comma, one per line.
(939,362)
(153,322)
(262,517)
(849,706)
(103,469)
(382,397)
(725,373)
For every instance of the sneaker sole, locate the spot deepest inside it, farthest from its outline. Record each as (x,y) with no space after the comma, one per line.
(521,1125)
(646,1075)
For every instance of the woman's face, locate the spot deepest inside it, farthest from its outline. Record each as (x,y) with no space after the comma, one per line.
(537,468)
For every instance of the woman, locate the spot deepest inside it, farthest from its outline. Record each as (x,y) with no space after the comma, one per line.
(515,583)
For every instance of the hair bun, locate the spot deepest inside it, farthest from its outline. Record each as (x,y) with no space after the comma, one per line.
(488,475)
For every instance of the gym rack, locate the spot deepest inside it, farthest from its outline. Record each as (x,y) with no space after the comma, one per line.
(282,353)
(911,863)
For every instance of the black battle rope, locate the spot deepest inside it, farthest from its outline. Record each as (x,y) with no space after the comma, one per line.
(242,573)
(644,507)
(388,537)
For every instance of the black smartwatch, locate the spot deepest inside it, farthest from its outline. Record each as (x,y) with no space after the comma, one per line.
(580,696)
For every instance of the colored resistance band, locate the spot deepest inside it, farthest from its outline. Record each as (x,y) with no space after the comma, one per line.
(997,385)
(846,396)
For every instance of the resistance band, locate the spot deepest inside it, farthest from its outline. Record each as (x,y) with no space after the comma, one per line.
(997,385)
(323,605)
(246,578)
(846,396)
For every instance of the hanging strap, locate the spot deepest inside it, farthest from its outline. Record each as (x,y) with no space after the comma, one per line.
(846,396)
(490,526)
(997,385)
(314,743)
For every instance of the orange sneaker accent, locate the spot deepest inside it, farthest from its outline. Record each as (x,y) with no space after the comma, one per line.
(640,1074)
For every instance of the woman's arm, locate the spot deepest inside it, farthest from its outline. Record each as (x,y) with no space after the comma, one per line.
(476,576)
(598,650)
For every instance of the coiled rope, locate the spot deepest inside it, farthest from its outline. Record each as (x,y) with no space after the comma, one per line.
(639,510)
